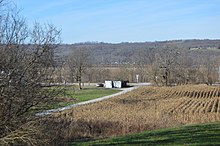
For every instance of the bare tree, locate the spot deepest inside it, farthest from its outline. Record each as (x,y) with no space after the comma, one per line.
(78,62)
(164,63)
(209,68)
(23,69)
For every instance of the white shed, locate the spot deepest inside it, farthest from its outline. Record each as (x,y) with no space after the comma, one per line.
(115,84)
(108,84)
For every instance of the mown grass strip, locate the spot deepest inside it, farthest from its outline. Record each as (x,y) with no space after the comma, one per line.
(196,135)
(93,93)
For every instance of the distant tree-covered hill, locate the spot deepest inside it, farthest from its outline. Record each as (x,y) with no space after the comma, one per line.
(124,53)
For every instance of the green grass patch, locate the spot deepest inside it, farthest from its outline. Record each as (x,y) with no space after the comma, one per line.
(87,93)
(71,95)
(93,93)
(195,135)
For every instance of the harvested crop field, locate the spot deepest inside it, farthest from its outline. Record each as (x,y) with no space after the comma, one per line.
(145,108)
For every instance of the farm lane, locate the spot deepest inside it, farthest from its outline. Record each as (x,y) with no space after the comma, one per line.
(124,90)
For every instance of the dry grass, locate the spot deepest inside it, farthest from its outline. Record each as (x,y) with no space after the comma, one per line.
(145,108)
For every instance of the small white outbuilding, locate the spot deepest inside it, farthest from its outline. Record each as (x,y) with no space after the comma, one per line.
(108,84)
(115,84)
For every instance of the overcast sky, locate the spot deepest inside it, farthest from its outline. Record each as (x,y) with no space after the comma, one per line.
(117,21)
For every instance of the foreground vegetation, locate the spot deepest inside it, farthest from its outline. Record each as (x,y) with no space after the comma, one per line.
(144,109)
(22,70)
(202,134)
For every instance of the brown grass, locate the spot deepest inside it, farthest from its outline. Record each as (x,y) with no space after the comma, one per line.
(145,108)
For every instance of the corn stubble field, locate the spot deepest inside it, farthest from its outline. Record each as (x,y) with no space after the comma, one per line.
(145,108)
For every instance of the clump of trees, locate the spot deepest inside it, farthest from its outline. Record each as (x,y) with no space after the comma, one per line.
(24,72)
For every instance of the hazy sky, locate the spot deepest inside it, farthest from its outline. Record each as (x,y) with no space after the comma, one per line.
(126,20)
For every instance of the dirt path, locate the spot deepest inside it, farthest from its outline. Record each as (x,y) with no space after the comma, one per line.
(124,90)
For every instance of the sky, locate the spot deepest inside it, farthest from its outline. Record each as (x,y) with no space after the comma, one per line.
(115,21)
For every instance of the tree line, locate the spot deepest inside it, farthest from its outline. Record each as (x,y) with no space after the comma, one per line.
(166,65)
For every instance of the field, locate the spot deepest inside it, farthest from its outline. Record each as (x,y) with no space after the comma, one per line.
(146,108)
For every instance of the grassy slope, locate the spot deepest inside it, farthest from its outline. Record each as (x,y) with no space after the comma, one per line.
(203,134)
